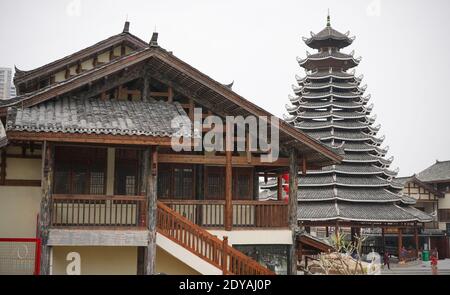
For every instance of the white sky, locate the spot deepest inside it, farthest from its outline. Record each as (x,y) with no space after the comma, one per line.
(404,45)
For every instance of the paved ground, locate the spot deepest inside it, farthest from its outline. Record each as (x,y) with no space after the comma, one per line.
(418,268)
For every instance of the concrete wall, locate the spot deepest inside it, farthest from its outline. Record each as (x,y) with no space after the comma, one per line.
(168,264)
(19,207)
(97,260)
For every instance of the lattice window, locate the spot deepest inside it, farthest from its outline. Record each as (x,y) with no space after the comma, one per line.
(79,170)
(176,181)
(127,172)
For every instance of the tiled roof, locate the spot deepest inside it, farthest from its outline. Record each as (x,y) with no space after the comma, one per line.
(439,171)
(373,212)
(97,116)
(347,194)
(356,181)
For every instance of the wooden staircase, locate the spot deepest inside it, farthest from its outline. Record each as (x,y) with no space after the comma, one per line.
(208,247)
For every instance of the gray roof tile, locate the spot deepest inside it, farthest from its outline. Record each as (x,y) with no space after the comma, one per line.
(437,172)
(96,116)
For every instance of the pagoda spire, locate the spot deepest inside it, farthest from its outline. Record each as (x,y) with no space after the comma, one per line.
(328,19)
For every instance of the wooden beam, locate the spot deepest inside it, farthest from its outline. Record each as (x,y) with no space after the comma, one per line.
(44,214)
(89,138)
(293,204)
(221,160)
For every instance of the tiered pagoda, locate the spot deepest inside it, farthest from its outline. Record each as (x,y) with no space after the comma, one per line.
(330,105)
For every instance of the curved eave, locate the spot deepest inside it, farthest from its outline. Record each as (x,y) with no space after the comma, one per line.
(307,105)
(329,94)
(311,63)
(329,85)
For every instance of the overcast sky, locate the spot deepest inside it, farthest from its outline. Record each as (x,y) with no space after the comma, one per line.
(404,45)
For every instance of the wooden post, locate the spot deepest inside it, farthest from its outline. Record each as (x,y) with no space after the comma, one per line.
(255,185)
(400,243)
(327,232)
(416,238)
(279,188)
(293,204)
(151,196)
(145,87)
(45,210)
(383,240)
(228,192)
(143,178)
(225,255)
(170,95)
(3,167)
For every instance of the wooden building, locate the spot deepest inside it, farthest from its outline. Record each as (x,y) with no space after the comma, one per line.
(431,189)
(87,165)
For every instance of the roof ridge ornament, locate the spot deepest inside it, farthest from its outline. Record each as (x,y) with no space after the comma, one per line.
(126,27)
(312,34)
(154,40)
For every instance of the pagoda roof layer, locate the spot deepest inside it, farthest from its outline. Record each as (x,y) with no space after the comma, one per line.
(328,37)
(346,194)
(329,59)
(362,212)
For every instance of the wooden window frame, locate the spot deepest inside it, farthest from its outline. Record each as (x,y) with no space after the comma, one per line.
(236,173)
(68,161)
(170,168)
(117,160)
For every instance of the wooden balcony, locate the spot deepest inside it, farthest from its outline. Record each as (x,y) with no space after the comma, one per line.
(246,214)
(98,211)
(101,211)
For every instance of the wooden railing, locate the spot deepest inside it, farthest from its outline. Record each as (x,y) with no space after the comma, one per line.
(192,237)
(97,211)
(246,214)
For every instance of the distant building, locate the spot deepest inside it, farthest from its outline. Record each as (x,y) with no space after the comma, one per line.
(431,190)
(7,89)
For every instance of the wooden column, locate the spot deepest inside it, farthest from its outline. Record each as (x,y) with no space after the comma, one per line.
(336,230)
(255,185)
(45,209)
(383,240)
(400,242)
(151,196)
(416,238)
(327,231)
(279,188)
(293,204)
(228,192)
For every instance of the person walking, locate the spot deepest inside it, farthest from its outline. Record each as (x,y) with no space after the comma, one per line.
(386,260)
(434,262)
